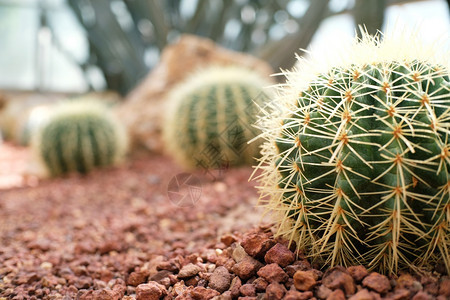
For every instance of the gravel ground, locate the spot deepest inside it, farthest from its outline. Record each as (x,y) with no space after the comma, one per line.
(126,233)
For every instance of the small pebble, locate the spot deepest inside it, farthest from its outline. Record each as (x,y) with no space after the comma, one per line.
(304,280)
(189,270)
(377,282)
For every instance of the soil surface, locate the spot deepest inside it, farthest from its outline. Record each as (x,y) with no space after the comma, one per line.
(146,230)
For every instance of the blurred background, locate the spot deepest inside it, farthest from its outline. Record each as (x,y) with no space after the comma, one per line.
(76,46)
(111,50)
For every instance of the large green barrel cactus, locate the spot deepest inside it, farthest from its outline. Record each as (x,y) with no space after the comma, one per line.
(357,156)
(79,136)
(210,117)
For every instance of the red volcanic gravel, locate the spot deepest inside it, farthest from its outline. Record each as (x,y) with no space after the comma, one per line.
(131,232)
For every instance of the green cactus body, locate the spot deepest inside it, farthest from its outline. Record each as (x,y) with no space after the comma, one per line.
(78,137)
(210,117)
(358,168)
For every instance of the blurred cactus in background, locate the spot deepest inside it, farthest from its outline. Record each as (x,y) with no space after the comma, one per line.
(126,36)
(79,136)
(210,116)
(116,43)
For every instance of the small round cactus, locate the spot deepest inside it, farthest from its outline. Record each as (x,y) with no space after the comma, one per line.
(211,115)
(356,161)
(78,137)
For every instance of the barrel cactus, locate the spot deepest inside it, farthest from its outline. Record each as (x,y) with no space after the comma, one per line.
(210,117)
(79,136)
(356,157)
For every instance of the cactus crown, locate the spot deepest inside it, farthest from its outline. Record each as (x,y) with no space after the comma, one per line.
(356,161)
(79,136)
(210,116)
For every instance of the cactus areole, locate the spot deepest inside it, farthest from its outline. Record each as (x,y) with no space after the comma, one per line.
(356,161)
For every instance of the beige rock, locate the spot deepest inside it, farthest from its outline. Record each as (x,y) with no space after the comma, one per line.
(143,108)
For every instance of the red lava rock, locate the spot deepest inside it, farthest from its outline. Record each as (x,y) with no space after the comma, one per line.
(136,278)
(247,268)
(220,279)
(317,274)
(358,272)
(228,239)
(289,284)
(118,285)
(406,281)
(178,288)
(322,292)
(336,295)
(27,278)
(201,293)
(83,282)
(84,247)
(150,291)
(444,288)
(304,280)
(280,255)
(188,271)
(191,258)
(291,269)
(168,265)
(109,246)
(83,295)
(192,281)
(224,296)
(248,290)
(363,294)
(260,284)
(236,284)
(229,264)
(221,260)
(296,295)
(257,244)
(432,288)
(40,244)
(160,275)
(399,294)
(377,282)
(339,278)
(106,294)
(430,285)
(49,281)
(275,291)
(210,255)
(273,273)
(106,275)
(422,296)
